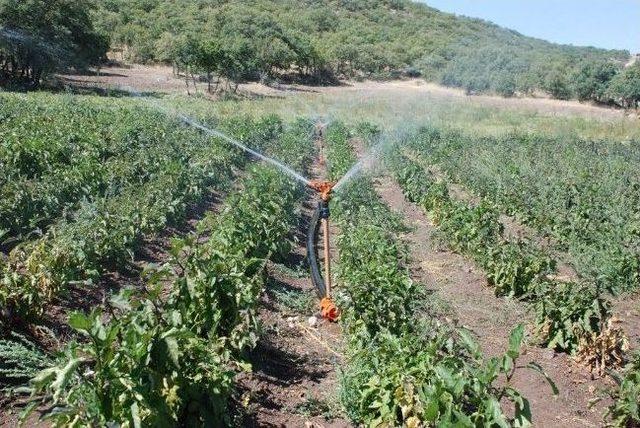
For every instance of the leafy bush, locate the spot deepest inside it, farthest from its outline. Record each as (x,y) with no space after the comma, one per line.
(592,80)
(469,230)
(339,156)
(625,87)
(567,312)
(39,38)
(431,379)
(512,267)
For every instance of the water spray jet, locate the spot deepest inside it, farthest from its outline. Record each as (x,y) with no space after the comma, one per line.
(320,217)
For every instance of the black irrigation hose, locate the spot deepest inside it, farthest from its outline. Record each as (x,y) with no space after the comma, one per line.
(321,211)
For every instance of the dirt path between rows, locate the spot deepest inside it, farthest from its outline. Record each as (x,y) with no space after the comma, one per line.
(294,381)
(459,283)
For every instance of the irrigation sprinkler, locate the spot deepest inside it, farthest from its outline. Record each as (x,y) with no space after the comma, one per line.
(321,214)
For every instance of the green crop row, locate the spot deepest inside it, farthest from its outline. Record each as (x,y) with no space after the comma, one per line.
(405,367)
(169,357)
(31,205)
(107,230)
(53,156)
(57,156)
(583,194)
(570,317)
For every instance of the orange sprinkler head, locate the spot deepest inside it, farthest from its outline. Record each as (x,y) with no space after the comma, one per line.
(323,187)
(329,310)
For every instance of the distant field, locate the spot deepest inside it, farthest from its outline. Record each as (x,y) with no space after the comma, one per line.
(400,105)
(394,105)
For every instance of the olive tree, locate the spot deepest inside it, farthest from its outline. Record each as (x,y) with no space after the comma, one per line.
(38,37)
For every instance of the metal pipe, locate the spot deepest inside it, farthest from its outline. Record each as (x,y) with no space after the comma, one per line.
(327,257)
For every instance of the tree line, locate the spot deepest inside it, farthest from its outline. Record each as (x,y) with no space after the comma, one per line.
(586,78)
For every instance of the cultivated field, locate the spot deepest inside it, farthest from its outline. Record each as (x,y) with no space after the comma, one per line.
(487,257)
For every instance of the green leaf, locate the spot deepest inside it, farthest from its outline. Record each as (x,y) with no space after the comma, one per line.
(536,367)
(173,350)
(135,415)
(121,301)
(27,412)
(80,322)
(469,341)
(507,364)
(515,341)
(493,408)
(63,376)
(431,411)
(523,416)
(43,378)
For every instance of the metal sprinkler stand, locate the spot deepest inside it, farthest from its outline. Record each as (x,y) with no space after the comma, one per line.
(321,216)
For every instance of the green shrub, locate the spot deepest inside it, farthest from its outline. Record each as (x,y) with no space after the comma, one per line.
(512,267)
(20,360)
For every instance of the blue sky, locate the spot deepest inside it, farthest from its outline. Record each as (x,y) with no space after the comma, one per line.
(611,24)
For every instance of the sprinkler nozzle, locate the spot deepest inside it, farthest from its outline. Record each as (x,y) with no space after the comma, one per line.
(323,187)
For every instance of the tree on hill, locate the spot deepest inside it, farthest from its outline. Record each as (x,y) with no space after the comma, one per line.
(592,80)
(38,37)
(625,87)
(557,85)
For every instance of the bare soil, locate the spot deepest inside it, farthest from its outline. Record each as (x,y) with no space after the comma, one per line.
(294,378)
(160,79)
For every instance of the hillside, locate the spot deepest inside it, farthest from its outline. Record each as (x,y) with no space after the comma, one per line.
(347,38)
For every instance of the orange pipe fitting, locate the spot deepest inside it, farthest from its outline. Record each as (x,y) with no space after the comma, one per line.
(329,310)
(322,187)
